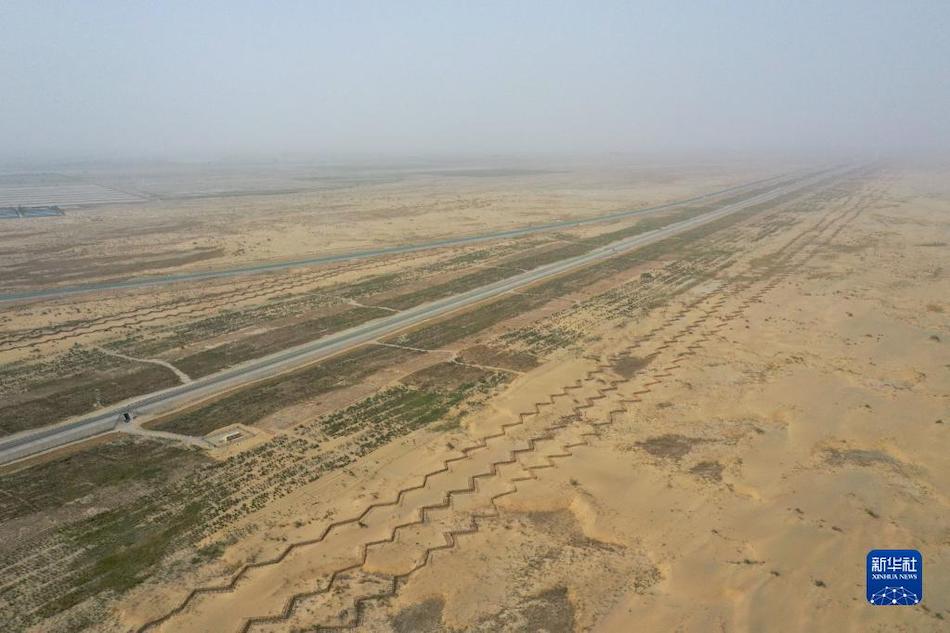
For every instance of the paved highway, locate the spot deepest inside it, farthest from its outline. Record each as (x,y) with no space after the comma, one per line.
(29,442)
(48,293)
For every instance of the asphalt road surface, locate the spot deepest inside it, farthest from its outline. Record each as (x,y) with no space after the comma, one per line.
(29,442)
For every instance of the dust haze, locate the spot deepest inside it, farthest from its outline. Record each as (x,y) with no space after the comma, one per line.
(223,80)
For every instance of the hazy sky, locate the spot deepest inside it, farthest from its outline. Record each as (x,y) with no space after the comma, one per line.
(176,79)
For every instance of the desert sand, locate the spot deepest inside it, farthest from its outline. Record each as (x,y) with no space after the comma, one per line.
(727,430)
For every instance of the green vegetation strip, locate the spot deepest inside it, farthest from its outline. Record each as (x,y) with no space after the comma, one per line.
(56,400)
(258,345)
(120,462)
(452,329)
(253,403)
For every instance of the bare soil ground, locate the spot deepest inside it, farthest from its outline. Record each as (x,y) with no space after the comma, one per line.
(182,218)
